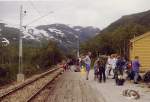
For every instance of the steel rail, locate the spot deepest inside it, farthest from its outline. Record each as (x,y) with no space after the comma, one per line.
(26,83)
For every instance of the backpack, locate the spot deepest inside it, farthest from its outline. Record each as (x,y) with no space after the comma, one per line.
(146,77)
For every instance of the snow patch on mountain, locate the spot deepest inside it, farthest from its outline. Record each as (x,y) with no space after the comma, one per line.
(44,33)
(37,32)
(52,37)
(5,41)
(62,34)
(69,42)
(76,36)
(26,35)
(12,25)
(58,32)
(77,29)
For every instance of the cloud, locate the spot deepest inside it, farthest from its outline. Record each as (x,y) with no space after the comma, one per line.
(98,13)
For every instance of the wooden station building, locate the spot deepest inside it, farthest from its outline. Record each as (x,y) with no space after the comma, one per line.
(140,46)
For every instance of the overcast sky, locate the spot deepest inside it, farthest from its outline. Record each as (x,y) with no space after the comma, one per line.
(99,13)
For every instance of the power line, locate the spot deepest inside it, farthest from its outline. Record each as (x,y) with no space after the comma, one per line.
(39,18)
(34,7)
(35,20)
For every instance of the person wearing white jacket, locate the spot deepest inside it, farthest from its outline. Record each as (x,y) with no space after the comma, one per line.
(108,66)
(87,62)
(114,60)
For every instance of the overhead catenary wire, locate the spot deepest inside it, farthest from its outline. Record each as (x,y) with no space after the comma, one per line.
(38,18)
(33,21)
(42,16)
(34,7)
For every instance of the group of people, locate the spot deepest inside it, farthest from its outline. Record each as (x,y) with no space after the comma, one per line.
(114,66)
(118,67)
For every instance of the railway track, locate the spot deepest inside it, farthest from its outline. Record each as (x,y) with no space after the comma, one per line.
(27,91)
(43,94)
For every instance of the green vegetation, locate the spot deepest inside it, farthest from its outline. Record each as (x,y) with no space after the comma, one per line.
(116,37)
(35,60)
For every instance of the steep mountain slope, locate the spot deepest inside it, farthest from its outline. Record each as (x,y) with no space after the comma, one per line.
(64,35)
(142,19)
(116,37)
(86,32)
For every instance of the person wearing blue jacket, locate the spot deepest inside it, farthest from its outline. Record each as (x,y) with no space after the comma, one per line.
(119,68)
(136,68)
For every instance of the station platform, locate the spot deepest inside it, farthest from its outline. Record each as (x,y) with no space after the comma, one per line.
(73,87)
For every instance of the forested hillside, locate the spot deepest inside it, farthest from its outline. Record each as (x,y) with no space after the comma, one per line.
(115,38)
(35,60)
(43,46)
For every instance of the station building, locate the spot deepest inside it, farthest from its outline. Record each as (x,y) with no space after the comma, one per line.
(140,46)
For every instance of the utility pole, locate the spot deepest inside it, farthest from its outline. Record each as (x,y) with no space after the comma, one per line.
(20,76)
(133,47)
(124,48)
(78,46)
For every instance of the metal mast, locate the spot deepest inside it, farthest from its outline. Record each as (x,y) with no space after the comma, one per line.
(20,75)
(20,41)
(78,46)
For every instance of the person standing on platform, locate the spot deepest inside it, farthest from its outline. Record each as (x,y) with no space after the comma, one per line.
(136,68)
(108,66)
(119,68)
(87,62)
(101,67)
(114,60)
(96,69)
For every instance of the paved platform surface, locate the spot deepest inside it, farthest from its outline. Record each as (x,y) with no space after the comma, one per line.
(72,87)
(113,93)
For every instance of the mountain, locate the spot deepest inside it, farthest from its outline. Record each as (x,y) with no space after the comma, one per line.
(64,35)
(141,19)
(116,37)
(86,32)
